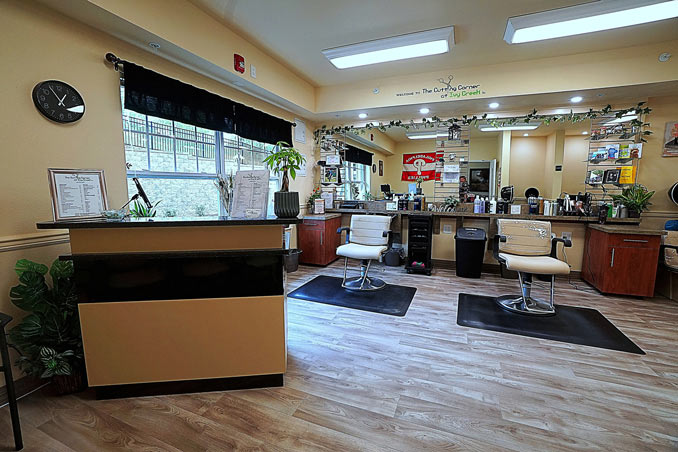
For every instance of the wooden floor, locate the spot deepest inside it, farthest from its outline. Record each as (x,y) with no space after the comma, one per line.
(360,381)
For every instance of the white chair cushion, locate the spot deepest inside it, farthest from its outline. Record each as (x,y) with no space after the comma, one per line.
(356,251)
(369,229)
(540,265)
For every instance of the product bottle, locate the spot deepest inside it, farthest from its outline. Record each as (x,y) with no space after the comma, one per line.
(481,205)
(493,205)
(476,205)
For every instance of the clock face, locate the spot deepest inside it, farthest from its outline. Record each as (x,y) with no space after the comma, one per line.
(58,101)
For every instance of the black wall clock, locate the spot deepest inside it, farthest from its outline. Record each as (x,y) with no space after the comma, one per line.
(58,101)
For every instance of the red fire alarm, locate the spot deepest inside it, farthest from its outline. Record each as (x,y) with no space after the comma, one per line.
(239,63)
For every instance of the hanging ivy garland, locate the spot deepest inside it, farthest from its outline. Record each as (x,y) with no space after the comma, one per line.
(436,122)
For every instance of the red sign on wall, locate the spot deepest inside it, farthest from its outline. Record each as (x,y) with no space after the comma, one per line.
(419,165)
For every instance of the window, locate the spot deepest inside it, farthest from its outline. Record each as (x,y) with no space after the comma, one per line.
(356,181)
(177,163)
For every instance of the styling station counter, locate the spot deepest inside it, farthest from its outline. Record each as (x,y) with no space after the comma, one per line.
(172,305)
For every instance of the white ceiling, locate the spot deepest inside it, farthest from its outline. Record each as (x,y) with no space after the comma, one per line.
(295,31)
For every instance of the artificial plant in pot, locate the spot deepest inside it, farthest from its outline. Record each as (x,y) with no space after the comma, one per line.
(285,160)
(419,182)
(48,339)
(636,198)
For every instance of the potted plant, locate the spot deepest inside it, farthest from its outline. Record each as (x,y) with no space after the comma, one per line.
(315,194)
(285,160)
(419,181)
(48,339)
(636,198)
(140,210)
(450,204)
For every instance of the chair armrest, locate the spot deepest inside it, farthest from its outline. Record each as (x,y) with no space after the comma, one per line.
(495,246)
(554,245)
(388,234)
(348,232)
(673,247)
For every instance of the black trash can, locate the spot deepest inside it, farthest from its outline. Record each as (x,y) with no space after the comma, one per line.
(470,251)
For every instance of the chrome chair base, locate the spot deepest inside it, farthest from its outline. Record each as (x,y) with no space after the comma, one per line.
(525,303)
(362,282)
(530,306)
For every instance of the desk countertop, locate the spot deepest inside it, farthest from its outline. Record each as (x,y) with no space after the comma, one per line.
(625,229)
(160,222)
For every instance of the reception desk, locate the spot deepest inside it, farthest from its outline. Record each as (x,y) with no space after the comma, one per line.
(171,305)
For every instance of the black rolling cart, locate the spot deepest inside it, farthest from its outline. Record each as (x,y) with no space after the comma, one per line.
(419,240)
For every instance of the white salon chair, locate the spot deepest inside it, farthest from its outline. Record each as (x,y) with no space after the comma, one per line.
(366,240)
(528,247)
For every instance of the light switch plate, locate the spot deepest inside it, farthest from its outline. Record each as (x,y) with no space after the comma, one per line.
(253,71)
(567,235)
(447,229)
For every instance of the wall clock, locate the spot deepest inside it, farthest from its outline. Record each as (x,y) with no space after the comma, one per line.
(58,101)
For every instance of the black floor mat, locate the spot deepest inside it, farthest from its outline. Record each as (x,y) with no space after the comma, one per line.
(570,324)
(391,300)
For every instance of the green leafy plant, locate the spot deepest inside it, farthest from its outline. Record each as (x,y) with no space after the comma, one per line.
(637,197)
(48,339)
(200,210)
(285,160)
(140,210)
(419,181)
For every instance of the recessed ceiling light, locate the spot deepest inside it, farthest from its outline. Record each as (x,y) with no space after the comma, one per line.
(584,132)
(587,18)
(412,45)
(526,134)
(424,110)
(362,115)
(494,105)
(491,128)
(576,99)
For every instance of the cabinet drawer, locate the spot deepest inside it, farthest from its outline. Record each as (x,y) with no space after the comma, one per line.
(634,240)
(315,225)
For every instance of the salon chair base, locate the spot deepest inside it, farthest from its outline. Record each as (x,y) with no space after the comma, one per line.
(362,282)
(529,306)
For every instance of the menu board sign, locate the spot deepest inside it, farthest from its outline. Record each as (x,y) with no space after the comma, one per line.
(77,193)
(250,195)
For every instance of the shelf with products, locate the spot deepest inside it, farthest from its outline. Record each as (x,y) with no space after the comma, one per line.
(615,150)
(452,148)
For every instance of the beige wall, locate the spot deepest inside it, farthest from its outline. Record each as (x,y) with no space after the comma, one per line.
(528,156)
(574,164)
(39,44)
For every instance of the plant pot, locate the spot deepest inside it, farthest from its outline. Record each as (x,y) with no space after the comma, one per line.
(633,213)
(286,204)
(69,384)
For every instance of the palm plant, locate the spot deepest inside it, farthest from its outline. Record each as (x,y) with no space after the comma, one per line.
(140,210)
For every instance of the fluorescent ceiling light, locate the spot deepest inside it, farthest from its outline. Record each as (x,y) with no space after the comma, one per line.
(491,128)
(426,135)
(584,132)
(362,115)
(413,45)
(576,99)
(526,134)
(424,110)
(494,105)
(587,18)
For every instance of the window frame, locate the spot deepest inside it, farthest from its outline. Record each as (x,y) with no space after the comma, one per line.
(242,146)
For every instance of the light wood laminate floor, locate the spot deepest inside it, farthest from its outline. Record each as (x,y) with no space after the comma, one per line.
(359,381)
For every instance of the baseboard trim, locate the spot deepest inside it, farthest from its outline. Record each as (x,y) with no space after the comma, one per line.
(24,386)
(188,386)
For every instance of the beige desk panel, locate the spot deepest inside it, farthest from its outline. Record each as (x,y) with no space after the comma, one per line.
(190,238)
(169,340)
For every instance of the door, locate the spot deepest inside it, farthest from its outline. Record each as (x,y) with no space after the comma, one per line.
(632,271)
(310,244)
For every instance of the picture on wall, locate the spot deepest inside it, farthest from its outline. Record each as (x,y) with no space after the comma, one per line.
(671,139)
(421,165)
(381,168)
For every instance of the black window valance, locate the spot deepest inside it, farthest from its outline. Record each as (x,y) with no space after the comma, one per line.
(150,93)
(355,155)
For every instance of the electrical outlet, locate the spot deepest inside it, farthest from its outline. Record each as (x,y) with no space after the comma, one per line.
(447,229)
(253,71)
(567,235)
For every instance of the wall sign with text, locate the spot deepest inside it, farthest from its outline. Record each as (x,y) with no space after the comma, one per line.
(446,89)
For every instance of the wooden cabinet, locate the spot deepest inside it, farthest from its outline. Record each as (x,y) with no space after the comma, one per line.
(621,263)
(318,239)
